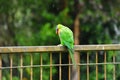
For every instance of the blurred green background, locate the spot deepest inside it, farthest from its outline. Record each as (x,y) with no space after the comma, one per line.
(33,23)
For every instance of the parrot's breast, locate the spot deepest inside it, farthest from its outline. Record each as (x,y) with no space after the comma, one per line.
(58,31)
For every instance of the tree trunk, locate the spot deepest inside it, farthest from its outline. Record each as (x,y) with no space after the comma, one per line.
(76,72)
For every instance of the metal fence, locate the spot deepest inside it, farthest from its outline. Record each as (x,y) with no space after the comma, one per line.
(94,60)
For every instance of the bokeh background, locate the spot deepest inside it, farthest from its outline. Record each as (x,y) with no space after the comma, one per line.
(33,23)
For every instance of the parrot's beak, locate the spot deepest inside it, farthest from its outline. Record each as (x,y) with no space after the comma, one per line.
(56,30)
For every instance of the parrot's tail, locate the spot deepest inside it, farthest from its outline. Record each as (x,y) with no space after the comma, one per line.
(71,51)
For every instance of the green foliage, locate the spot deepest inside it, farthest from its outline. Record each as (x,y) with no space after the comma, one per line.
(33,22)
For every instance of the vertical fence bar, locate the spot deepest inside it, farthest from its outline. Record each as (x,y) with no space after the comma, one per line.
(114,66)
(11,64)
(69,71)
(79,67)
(60,62)
(31,64)
(105,74)
(0,66)
(21,65)
(87,65)
(96,66)
(50,66)
(41,66)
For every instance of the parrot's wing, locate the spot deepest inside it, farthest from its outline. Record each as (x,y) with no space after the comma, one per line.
(66,37)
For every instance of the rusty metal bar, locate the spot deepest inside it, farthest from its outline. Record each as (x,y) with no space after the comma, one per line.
(114,76)
(88,66)
(105,73)
(0,66)
(96,66)
(21,65)
(69,68)
(50,66)
(41,70)
(60,69)
(97,47)
(17,49)
(31,64)
(79,66)
(11,64)
(82,64)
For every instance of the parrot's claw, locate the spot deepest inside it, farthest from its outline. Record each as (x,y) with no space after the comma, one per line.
(60,45)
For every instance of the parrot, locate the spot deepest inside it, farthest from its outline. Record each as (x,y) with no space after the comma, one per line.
(66,39)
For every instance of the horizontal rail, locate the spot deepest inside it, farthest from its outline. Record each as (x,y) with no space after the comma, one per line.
(17,49)
(82,64)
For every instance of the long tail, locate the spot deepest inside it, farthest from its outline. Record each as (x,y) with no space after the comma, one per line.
(71,51)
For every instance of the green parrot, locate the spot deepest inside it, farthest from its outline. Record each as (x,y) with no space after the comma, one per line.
(66,39)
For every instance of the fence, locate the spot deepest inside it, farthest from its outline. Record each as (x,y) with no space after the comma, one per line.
(100,61)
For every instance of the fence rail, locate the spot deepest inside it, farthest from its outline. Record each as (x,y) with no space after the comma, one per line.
(17,49)
(89,56)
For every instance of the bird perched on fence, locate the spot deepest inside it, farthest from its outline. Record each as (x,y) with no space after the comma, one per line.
(66,39)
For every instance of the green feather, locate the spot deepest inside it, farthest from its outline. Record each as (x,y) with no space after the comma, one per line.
(66,39)
(71,51)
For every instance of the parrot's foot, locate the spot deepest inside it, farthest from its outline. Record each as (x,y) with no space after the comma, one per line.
(60,45)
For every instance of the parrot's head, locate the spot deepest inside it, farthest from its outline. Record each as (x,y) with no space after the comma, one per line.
(59,26)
